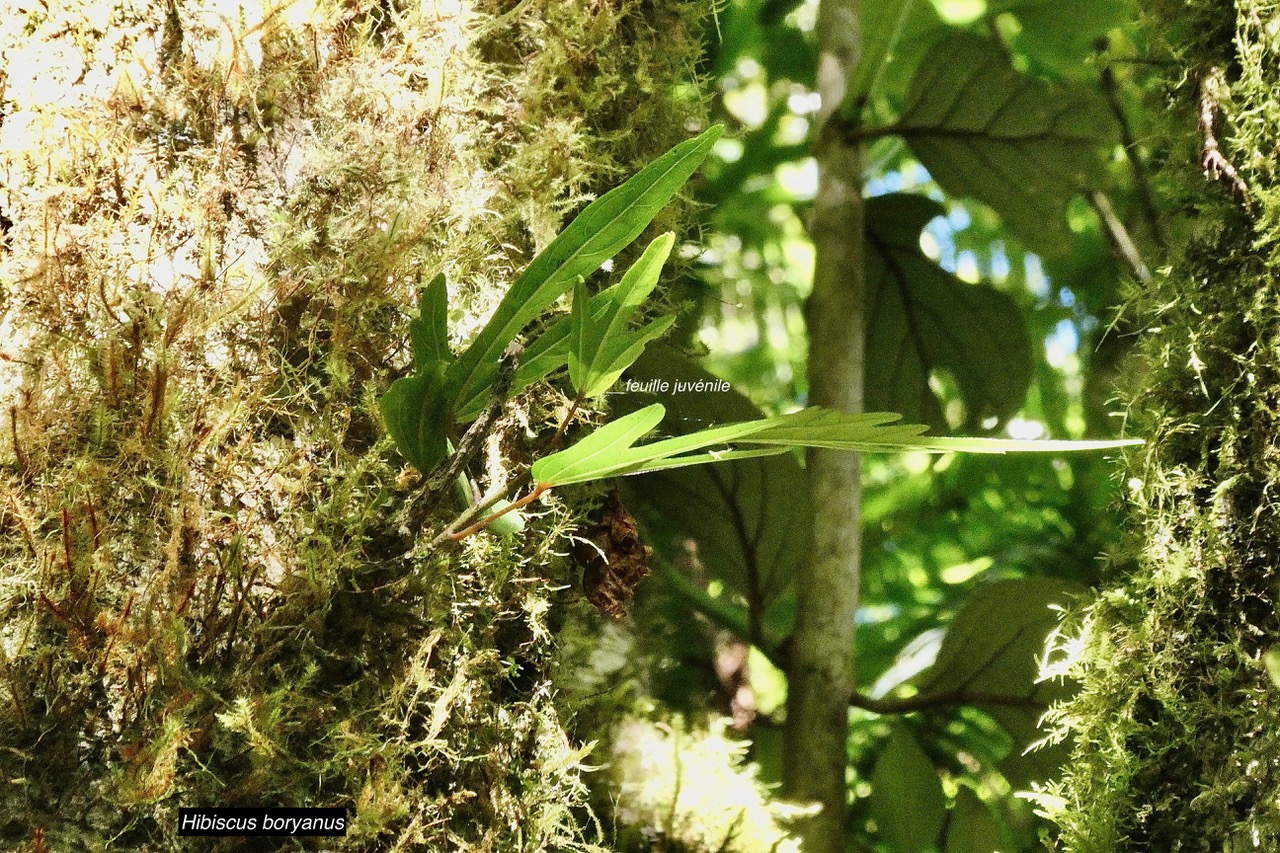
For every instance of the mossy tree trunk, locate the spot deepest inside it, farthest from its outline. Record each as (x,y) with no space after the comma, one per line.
(1178,724)
(211,588)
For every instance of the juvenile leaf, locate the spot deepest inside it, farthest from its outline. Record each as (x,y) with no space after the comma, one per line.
(607,226)
(602,345)
(609,451)
(907,800)
(973,828)
(1016,142)
(429,331)
(582,462)
(921,318)
(414,410)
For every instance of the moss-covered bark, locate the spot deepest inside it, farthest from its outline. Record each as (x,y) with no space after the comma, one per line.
(1178,724)
(211,591)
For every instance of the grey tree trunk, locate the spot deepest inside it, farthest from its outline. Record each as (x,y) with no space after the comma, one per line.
(822,671)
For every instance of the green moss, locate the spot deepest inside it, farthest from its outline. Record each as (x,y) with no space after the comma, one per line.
(1178,727)
(213,588)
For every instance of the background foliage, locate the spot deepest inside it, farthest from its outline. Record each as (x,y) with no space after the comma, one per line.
(214,590)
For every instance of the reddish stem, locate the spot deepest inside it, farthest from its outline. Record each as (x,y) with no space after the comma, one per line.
(485,522)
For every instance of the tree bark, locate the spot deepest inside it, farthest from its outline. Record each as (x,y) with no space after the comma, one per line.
(1178,723)
(822,662)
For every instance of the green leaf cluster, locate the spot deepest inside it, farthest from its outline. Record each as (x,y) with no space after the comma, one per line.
(420,410)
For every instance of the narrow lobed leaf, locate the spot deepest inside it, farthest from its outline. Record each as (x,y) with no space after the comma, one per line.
(607,226)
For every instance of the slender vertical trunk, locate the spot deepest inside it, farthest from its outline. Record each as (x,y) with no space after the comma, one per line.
(822,671)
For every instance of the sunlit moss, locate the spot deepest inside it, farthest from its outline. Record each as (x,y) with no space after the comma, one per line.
(1177,727)
(213,588)
(692,786)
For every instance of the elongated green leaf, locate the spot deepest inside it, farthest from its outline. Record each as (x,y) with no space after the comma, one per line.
(920,318)
(973,828)
(414,410)
(582,342)
(1016,142)
(609,451)
(607,226)
(429,331)
(907,800)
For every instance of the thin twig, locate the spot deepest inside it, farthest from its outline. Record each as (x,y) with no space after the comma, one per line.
(554,443)
(485,522)
(926,701)
(474,437)
(1141,181)
(1215,164)
(1126,250)
(464,525)
(473,512)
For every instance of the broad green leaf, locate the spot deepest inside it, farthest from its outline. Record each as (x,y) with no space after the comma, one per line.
(1063,35)
(907,800)
(429,331)
(1016,142)
(920,318)
(751,518)
(883,24)
(973,829)
(607,226)
(994,647)
(414,410)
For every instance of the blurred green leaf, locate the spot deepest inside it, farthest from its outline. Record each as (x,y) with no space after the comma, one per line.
(751,518)
(1016,142)
(973,829)
(1271,660)
(1063,35)
(921,318)
(994,648)
(607,226)
(883,24)
(907,800)
(995,644)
